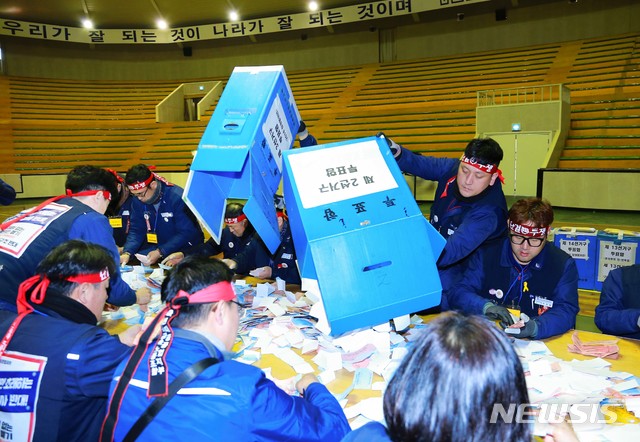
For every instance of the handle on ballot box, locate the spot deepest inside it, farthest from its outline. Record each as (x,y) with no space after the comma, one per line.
(621,233)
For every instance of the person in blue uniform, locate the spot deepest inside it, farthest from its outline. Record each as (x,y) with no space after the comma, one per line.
(161,223)
(119,211)
(618,312)
(7,193)
(469,207)
(79,214)
(227,400)
(280,264)
(449,386)
(524,273)
(53,353)
(236,235)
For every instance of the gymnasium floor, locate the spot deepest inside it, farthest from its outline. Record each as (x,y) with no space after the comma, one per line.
(599,219)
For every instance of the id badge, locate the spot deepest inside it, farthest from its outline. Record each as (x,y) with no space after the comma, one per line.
(116,222)
(152,238)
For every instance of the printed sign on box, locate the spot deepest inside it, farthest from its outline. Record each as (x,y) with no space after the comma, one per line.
(350,209)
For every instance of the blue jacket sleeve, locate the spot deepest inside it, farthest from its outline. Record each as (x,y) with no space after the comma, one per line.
(474,230)
(277,416)
(94,227)
(137,230)
(611,315)
(254,255)
(187,230)
(464,295)
(7,194)
(562,316)
(371,432)
(208,248)
(99,354)
(428,168)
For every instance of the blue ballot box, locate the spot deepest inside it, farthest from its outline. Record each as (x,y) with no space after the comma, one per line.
(617,248)
(358,231)
(240,153)
(582,244)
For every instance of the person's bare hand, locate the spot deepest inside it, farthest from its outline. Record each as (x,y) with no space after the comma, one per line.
(173,259)
(130,336)
(305,381)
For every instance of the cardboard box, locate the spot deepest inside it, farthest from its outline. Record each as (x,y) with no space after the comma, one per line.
(240,153)
(358,231)
(582,244)
(616,248)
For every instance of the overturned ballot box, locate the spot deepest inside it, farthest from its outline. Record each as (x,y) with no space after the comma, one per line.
(359,232)
(240,153)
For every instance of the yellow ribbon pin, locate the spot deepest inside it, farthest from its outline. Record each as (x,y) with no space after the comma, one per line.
(525,287)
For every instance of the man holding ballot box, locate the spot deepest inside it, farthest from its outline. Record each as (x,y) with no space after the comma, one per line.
(469,207)
(528,284)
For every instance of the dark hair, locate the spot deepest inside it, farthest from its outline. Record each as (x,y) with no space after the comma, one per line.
(137,173)
(190,275)
(72,258)
(534,210)
(233,210)
(446,386)
(82,178)
(484,150)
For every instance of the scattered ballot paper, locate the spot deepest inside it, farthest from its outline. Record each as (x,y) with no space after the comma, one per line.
(143,259)
(601,349)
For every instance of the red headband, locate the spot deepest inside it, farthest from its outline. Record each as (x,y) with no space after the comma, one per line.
(158,368)
(115,174)
(141,184)
(236,220)
(489,168)
(528,231)
(38,294)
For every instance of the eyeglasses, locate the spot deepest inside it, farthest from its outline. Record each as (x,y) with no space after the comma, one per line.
(141,195)
(241,308)
(533,242)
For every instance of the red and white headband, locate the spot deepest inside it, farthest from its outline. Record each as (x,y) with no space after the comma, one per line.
(138,185)
(236,220)
(528,231)
(473,162)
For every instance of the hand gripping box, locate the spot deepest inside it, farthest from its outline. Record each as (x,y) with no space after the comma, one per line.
(582,244)
(616,248)
(358,231)
(240,153)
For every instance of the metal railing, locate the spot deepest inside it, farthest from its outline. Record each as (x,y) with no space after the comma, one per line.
(520,95)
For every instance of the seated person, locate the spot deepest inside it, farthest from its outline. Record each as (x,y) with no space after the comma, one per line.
(523,272)
(236,235)
(227,400)
(161,223)
(446,387)
(79,214)
(619,310)
(469,207)
(69,360)
(281,264)
(119,211)
(304,137)
(8,193)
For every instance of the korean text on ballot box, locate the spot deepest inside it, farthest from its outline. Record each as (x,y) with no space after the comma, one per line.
(240,153)
(359,232)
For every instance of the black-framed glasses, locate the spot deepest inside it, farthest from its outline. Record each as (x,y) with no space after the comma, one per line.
(241,308)
(141,194)
(533,242)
